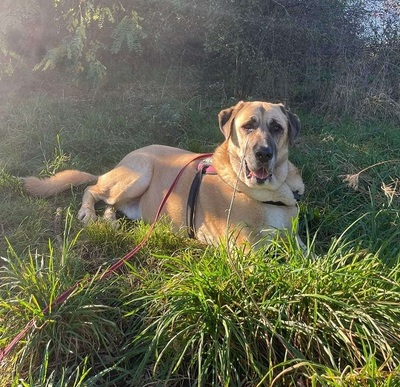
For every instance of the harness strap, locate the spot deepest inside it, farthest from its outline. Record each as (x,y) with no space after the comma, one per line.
(204,168)
(296,195)
(274,203)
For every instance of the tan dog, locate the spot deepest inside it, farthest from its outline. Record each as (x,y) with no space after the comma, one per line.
(252,168)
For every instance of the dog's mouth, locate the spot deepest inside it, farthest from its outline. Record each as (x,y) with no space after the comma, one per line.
(260,176)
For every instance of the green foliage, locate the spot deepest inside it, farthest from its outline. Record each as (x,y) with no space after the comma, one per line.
(285,50)
(350,191)
(58,160)
(85,43)
(127,31)
(209,316)
(340,57)
(22,222)
(205,324)
(67,35)
(15,18)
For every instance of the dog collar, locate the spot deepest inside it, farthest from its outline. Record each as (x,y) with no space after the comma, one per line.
(204,167)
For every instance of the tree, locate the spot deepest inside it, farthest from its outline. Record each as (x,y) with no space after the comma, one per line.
(318,53)
(76,35)
(299,41)
(19,33)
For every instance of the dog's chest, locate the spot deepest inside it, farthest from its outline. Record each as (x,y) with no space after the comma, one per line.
(220,213)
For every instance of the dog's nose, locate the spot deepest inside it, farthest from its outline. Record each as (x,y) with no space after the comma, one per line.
(264,154)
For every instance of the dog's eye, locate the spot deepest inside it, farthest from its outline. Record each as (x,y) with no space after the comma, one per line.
(248,127)
(276,129)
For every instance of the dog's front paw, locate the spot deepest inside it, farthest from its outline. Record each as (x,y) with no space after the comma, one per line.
(86,215)
(109,214)
(294,179)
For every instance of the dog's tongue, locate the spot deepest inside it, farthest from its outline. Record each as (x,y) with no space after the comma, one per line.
(261,174)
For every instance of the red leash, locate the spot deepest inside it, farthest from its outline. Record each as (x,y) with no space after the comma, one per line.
(63,296)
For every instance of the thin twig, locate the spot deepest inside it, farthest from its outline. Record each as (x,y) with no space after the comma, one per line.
(353,179)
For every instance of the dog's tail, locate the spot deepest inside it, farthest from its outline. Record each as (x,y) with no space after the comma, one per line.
(61,181)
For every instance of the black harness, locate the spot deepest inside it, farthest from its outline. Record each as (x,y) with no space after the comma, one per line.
(296,195)
(204,168)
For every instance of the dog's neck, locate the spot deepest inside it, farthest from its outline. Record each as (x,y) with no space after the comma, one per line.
(279,191)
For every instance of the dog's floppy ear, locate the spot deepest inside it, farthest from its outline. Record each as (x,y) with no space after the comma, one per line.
(293,123)
(225,119)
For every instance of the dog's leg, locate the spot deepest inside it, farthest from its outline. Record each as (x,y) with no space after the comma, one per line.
(120,185)
(294,180)
(87,213)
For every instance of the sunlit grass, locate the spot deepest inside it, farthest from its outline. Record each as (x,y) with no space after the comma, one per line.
(180,313)
(204,317)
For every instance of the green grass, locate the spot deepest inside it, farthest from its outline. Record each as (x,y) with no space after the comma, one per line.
(180,313)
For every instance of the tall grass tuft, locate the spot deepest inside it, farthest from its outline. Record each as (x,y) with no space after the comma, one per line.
(205,316)
(279,319)
(62,334)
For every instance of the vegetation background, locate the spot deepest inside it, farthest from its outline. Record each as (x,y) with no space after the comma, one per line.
(83,82)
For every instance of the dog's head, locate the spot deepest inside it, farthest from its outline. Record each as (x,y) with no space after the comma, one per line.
(258,135)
